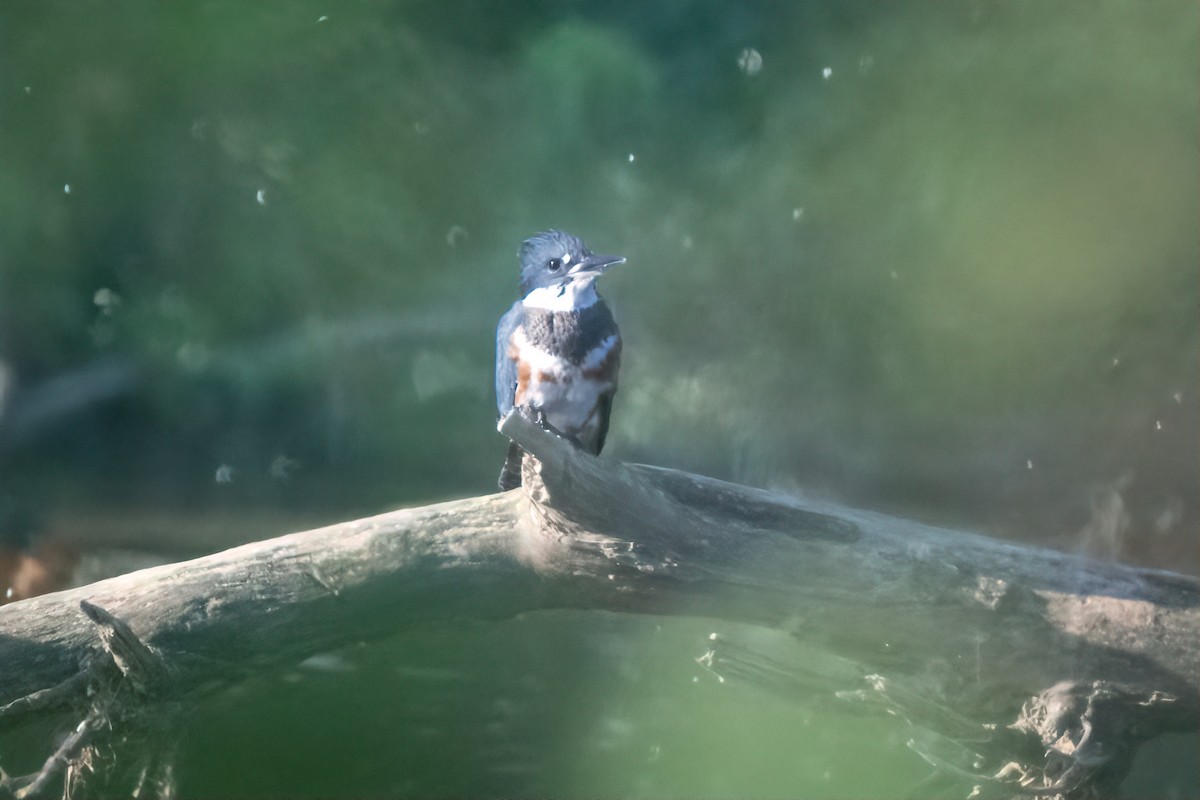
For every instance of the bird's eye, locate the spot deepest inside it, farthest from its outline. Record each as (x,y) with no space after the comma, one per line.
(554,264)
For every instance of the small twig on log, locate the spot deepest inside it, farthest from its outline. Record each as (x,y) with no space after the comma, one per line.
(136,662)
(60,696)
(139,668)
(63,757)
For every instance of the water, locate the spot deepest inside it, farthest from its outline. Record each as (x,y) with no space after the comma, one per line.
(562,704)
(933,260)
(581,704)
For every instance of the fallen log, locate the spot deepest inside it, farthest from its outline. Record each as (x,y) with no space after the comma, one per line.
(1053,666)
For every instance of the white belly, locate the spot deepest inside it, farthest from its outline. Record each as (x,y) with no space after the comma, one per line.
(566,393)
(569,400)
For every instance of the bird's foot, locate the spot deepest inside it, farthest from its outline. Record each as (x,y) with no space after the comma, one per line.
(538,417)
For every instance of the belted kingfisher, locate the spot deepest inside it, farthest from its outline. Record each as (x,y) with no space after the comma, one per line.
(558,348)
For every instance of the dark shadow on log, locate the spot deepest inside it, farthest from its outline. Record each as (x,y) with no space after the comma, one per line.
(1028,669)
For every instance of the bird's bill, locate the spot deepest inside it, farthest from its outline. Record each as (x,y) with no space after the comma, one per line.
(594,265)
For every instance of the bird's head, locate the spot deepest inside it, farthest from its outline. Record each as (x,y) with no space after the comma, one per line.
(555,258)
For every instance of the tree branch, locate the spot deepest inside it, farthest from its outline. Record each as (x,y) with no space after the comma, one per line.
(1004,623)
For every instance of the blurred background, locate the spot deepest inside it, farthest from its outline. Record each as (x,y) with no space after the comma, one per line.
(934,260)
(938,260)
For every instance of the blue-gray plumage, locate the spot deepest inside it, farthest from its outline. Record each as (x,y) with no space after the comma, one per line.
(558,348)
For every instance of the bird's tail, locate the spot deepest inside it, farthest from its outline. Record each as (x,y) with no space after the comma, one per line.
(510,475)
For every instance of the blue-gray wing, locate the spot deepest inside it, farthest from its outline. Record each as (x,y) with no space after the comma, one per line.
(506,367)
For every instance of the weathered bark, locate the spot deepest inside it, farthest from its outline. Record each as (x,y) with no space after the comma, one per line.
(964,633)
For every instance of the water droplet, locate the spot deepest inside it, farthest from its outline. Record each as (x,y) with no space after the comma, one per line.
(28,90)
(106,300)
(750,61)
(827,73)
(260,197)
(797,214)
(1157,425)
(1116,362)
(631,158)
(8,593)
(1178,396)
(66,188)
(224,474)
(1029,464)
(282,466)
(322,18)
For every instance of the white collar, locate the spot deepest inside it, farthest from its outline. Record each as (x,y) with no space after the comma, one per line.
(572,296)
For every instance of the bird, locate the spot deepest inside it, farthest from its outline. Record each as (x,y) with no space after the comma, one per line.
(558,348)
